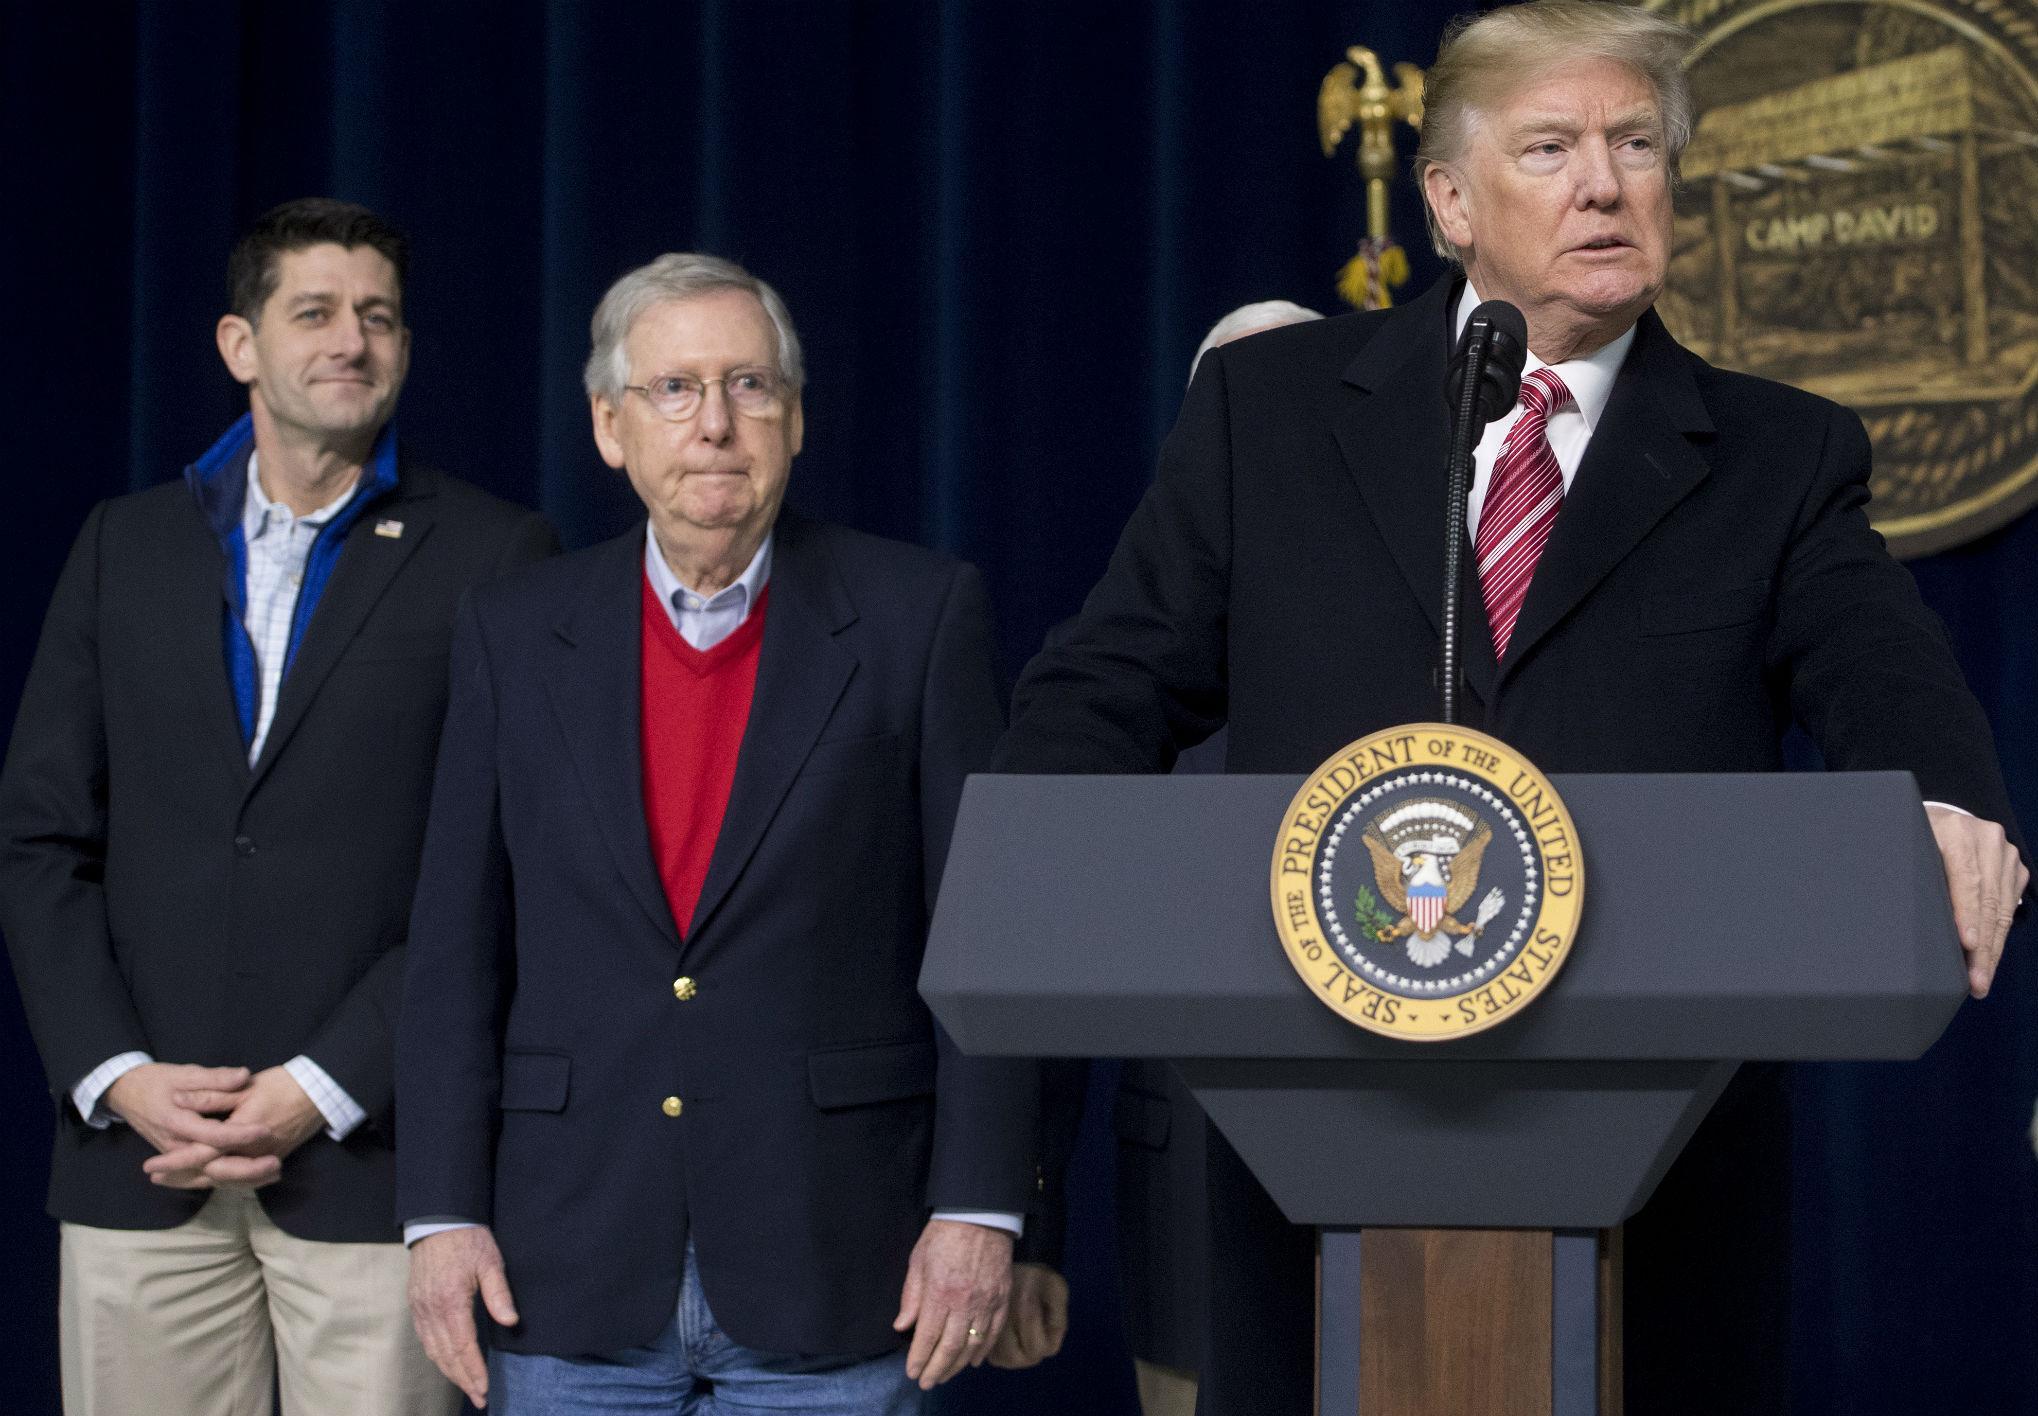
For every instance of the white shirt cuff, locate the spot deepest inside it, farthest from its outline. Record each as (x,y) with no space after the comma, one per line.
(1949,806)
(1012,1224)
(87,1094)
(331,1099)
(425,1228)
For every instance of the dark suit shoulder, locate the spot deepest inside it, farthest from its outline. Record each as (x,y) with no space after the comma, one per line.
(459,500)
(150,505)
(544,586)
(133,531)
(1313,344)
(539,592)
(1732,394)
(860,555)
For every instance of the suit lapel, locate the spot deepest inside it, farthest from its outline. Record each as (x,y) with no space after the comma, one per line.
(367,565)
(192,620)
(596,685)
(802,670)
(1395,439)
(1640,463)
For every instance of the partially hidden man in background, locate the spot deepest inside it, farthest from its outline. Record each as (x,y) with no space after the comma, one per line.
(1672,564)
(1163,1249)
(210,820)
(670,1101)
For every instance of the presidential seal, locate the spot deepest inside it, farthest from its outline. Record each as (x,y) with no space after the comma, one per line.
(1427,882)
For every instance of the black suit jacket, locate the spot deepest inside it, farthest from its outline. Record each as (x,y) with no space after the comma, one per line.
(824,1110)
(1711,578)
(157,894)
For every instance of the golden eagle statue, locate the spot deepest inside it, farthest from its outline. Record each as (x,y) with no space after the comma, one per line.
(1369,278)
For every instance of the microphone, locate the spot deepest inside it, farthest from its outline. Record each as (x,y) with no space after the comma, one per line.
(1494,361)
(1483,382)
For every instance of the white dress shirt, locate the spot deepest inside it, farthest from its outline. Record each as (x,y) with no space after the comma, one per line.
(705,621)
(1590,380)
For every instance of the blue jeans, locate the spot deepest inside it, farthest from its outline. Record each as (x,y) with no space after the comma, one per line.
(693,1368)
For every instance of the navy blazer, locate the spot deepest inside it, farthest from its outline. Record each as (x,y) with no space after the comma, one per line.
(161,895)
(822,1110)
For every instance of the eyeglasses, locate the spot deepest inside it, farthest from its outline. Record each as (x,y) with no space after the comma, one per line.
(755,393)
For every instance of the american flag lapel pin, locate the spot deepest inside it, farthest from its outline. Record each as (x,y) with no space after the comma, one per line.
(389,526)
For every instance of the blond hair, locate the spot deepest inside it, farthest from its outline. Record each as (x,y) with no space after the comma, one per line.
(1485,58)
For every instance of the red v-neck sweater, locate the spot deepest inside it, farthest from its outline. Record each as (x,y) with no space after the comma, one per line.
(695,706)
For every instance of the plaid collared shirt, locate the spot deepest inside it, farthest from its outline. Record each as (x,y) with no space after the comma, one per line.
(279,543)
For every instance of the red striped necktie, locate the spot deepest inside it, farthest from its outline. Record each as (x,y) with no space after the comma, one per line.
(1521,506)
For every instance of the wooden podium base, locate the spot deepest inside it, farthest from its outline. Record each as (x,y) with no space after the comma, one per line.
(1468,1322)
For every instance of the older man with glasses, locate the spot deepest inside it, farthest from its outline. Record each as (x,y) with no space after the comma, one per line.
(673,1106)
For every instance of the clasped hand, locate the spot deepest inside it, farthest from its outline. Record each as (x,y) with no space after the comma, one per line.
(214,1125)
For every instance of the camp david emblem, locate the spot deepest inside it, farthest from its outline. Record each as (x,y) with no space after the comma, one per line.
(1427,882)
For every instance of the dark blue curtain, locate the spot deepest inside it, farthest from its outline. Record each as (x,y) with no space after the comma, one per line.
(1003,228)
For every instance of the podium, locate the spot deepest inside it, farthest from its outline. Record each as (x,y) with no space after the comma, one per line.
(1727,918)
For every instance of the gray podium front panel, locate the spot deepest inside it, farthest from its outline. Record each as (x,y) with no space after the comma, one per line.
(1778,916)
(1439,1145)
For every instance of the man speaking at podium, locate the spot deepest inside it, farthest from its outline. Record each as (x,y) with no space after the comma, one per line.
(1673,564)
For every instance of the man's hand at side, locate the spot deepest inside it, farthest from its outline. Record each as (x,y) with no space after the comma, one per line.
(160,1100)
(1039,1318)
(446,1270)
(1986,879)
(960,1279)
(268,1119)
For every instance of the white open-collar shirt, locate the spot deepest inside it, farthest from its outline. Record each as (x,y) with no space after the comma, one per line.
(1590,380)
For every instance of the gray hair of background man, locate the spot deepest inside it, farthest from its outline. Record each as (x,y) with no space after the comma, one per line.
(1486,58)
(679,275)
(1251,319)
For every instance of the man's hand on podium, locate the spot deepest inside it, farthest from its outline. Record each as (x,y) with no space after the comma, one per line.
(1986,879)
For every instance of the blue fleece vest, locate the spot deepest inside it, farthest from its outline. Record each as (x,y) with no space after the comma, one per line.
(219,481)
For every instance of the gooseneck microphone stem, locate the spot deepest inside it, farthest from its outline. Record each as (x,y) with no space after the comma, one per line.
(1485,377)
(1465,430)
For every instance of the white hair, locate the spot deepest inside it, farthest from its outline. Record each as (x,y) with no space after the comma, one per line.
(1251,319)
(677,275)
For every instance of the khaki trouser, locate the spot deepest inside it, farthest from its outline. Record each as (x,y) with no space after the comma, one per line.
(213,1316)
(1165,1391)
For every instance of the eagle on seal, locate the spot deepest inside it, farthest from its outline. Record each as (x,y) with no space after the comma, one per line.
(1426,855)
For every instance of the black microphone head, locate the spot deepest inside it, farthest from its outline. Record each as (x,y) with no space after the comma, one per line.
(1505,334)
(1506,352)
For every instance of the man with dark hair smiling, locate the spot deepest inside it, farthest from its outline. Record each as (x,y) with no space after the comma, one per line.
(209,826)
